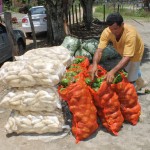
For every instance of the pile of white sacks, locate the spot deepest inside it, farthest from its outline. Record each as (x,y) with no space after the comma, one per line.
(32,81)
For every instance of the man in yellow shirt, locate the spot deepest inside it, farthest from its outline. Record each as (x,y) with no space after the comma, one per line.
(128,44)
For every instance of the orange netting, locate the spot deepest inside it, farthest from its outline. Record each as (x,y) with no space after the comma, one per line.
(128,98)
(85,63)
(84,112)
(114,103)
(108,107)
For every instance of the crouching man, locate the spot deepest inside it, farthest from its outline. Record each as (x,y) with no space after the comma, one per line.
(127,43)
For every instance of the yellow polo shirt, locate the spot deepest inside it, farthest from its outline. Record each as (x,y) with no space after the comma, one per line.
(130,43)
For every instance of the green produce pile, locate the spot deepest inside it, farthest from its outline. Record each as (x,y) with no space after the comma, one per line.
(97,83)
(73,71)
(79,68)
(87,48)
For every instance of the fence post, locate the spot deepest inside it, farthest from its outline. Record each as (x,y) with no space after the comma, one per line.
(32,29)
(118,8)
(104,12)
(73,14)
(70,21)
(76,14)
(11,37)
(79,12)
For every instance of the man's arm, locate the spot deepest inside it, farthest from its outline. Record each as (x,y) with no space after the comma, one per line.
(97,56)
(96,59)
(110,75)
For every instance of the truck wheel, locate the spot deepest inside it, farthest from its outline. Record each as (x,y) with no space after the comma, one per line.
(21,47)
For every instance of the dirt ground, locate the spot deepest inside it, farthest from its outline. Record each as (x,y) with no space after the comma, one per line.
(129,138)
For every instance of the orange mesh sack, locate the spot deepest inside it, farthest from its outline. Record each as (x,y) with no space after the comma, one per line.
(63,92)
(65,86)
(73,74)
(128,98)
(82,61)
(108,107)
(81,71)
(76,68)
(84,112)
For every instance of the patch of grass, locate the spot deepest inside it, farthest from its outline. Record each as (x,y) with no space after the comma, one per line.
(126,12)
(10,8)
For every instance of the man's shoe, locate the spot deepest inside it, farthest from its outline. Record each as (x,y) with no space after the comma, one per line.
(140,83)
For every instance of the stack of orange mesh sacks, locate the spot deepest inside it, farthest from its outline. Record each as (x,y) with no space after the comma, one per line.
(88,99)
(79,100)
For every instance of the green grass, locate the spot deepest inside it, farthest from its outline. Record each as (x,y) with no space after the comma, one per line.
(127,13)
(10,8)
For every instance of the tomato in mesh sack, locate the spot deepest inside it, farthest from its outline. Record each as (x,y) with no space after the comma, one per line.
(83,126)
(97,83)
(76,68)
(69,77)
(94,84)
(82,61)
(118,77)
(63,92)
(70,73)
(84,112)
(65,82)
(81,71)
(88,80)
(78,60)
(64,86)
(108,107)
(128,98)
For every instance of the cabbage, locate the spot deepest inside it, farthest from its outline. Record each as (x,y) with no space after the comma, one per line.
(90,45)
(83,52)
(71,43)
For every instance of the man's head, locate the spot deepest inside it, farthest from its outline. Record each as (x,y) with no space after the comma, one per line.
(115,23)
(114,18)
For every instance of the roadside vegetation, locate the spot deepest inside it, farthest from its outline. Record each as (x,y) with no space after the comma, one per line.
(127,11)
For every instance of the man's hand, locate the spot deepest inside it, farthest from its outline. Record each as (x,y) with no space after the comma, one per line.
(110,76)
(93,71)
(96,59)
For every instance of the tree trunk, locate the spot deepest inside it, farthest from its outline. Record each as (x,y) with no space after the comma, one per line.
(55,29)
(87,6)
(67,4)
